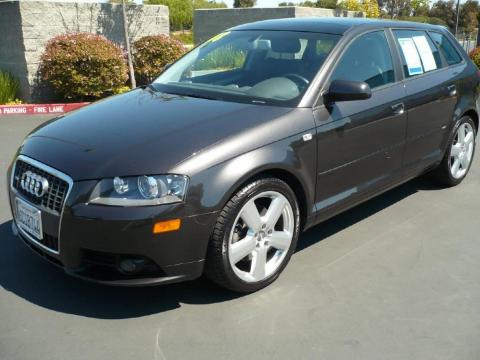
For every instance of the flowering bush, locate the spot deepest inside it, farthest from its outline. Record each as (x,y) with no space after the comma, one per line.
(475,56)
(83,66)
(151,54)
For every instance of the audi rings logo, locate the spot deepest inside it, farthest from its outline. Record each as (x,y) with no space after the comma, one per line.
(34,184)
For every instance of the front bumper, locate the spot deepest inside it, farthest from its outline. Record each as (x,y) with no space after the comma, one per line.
(93,240)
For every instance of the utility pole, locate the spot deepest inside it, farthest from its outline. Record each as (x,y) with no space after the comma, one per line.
(133,83)
(456,21)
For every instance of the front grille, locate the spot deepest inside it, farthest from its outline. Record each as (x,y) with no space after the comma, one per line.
(57,190)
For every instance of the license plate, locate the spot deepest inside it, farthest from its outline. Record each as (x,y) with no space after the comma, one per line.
(29,219)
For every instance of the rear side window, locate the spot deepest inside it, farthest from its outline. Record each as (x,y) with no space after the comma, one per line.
(367,59)
(449,52)
(419,54)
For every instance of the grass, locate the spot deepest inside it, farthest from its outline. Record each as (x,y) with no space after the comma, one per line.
(8,88)
(185,37)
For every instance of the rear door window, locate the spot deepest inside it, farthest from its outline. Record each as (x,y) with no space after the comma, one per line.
(419,54)
(447,49)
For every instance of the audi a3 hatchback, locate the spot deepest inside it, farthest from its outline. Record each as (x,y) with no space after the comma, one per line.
(259,133)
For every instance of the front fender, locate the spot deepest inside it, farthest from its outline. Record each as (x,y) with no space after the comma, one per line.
(210,189)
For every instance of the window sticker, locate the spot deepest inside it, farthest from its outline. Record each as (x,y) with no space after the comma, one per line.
(425,53)
(410,53)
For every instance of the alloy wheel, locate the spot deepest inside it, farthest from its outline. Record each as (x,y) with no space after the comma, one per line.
(261,236)
(461,152)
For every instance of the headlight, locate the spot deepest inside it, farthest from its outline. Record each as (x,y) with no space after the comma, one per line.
(140,190)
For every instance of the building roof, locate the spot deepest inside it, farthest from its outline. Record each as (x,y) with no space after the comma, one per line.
(331,25)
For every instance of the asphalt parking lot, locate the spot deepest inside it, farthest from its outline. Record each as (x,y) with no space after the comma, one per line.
(395,278)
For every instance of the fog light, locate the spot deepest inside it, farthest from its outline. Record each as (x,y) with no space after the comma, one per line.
(131,265)
(128,266)
(165,226)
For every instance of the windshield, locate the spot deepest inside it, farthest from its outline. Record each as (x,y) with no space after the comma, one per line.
(264,67)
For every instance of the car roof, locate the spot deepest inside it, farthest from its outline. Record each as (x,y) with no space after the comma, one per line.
(330,25)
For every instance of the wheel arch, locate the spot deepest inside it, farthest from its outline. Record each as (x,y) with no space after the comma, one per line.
(472,113)
(289,178)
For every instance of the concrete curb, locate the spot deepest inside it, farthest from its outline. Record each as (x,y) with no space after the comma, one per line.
(39,109)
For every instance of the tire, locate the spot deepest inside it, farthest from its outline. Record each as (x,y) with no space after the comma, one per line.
(457,150)
(266,243)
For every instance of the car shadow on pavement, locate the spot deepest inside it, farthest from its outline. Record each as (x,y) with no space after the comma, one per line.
(363,211)
(27,275)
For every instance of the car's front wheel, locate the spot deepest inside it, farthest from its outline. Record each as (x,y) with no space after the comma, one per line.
(254,237)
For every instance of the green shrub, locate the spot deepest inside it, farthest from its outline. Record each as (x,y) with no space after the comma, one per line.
(8,88)
(475,56)
(83,66)
(151,54)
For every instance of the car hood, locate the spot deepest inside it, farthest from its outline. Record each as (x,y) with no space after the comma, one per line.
(147,132)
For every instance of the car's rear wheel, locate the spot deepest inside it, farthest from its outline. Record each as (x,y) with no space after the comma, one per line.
(254,236)
(459,155)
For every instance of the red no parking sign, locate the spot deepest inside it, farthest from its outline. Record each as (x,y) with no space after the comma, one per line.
(39,109)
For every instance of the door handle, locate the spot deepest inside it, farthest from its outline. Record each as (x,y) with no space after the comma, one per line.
(398,109)
(452,90)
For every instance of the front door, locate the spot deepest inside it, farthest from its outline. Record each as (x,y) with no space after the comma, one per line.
(361,142)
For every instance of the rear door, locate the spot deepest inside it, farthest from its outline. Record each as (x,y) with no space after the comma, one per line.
(361,142)
(431,96)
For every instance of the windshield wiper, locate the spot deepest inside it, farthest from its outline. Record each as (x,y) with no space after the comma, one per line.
(193,95)
(151,87)
(182,93)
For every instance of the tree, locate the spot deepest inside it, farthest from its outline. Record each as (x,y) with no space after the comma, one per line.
(206,4)
(420,7)
(181,11)
(133,83)
(444,10)
(468,21)
(395,8)
(352,5)
(327,4)
(370,8)
(244,3)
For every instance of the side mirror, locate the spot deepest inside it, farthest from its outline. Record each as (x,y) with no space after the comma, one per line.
(347,90)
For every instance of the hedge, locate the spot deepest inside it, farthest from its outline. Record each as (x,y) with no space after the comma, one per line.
(151,54)
(83,66)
